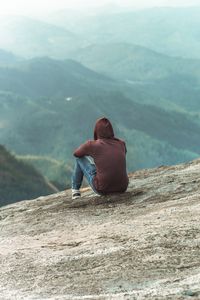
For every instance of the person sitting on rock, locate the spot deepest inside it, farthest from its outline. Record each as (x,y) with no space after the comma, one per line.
(102,161)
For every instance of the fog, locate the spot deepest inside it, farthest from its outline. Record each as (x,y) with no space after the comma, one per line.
(42,6)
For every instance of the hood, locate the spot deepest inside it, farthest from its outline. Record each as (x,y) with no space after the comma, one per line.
(103,129)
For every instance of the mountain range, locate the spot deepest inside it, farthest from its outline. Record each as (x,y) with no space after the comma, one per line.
(138,68)
(171,31)
(49,107)
(29,37)
(173,80)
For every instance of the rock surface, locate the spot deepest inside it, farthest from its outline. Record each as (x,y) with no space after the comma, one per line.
(143,244)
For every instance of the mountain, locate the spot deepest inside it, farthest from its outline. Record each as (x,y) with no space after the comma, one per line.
(55,126)
(143,244)
(127,61)
(48,77)
(68,18)
(7,58)
(156,76)
(52,107)
(172,31)
(29,37)
(20,180)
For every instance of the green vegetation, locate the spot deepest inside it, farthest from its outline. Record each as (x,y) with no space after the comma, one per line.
(130,62)
(57,172)
(153,78)
(148,152)
(112,67)
(53,107)
(19,180)
(47,77)
(55,127)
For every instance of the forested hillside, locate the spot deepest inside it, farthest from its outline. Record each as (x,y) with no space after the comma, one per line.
(19,180)
(57,172)
(127,61)
(61,72)
(53,107)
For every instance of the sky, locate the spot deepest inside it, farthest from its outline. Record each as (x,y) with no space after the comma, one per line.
(41,6)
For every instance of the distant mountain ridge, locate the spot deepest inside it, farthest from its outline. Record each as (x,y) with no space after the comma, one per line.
(134,62)
(172,31)
(48,77)
(7,58)
(114,65)
(54,105)
(29,37)
(174,80)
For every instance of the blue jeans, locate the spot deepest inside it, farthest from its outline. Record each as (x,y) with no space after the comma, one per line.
(84,166)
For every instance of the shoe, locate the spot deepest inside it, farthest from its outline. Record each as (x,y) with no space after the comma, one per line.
(76,194)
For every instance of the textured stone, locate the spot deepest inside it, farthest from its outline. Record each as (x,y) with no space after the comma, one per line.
(143,244)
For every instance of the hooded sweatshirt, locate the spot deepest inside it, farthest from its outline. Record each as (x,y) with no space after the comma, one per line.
(109,154)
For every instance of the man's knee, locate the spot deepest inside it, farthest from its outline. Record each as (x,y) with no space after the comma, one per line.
(80,159)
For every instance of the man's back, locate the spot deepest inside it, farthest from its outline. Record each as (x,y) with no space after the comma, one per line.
(109,154)
(110,159)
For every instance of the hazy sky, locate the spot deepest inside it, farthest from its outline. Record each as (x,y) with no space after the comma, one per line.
(41,6)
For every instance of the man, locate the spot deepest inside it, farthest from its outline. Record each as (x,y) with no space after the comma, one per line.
(102,161)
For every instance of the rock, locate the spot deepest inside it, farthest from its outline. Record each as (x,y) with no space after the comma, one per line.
(143,244)
(190,293)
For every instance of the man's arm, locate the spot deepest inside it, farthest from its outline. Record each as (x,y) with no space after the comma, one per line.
(84,149)
(125,147)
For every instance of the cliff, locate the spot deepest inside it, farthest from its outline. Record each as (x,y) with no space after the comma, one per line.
(143,244)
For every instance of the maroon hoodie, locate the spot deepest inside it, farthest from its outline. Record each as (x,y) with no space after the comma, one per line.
(109,154)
